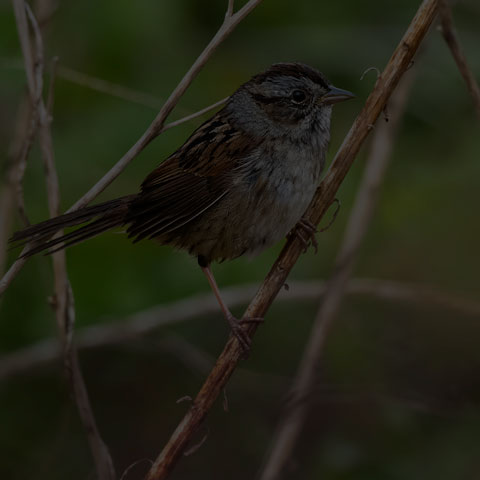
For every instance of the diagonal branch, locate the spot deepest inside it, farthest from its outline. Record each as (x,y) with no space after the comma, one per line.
(232,353)
(450,36)
(292,422)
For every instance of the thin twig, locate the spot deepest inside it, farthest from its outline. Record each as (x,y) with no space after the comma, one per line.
(195,114)
(26,127)
(229,11)
(63,303)
(291,423)
(103,86)
(11,195)
(232,353)
(110,88)
(51,85)
(450,36)
(155,128)
(118,331)
(7,207)
(34,82)
(19,163)
(11,273)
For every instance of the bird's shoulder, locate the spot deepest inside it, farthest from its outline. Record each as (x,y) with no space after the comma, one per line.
(214,149)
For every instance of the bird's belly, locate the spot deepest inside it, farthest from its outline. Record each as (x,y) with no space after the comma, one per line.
(274,215)
(258,210)
(261,213)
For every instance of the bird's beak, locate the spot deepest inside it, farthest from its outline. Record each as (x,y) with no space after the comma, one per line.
(335,95)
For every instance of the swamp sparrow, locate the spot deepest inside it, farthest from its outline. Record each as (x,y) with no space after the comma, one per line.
(239,184)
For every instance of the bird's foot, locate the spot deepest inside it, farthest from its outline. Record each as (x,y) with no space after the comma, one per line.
(239,332)
(305,231)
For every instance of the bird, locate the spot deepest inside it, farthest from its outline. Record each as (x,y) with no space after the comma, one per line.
(239,184)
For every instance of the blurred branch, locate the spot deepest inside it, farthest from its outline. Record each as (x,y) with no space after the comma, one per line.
(291,423)
(26,128)
(156,127)
(118,331)
(63,301)
(129,94)
(232,353)
(110,88)
(450,36)
(195,359)
(230,7)
(12,190)
(116,90)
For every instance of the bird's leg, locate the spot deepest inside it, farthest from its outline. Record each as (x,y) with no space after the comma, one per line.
(305,231)
(235,324)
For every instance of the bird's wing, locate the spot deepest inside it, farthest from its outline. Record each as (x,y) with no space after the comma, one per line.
(191,181)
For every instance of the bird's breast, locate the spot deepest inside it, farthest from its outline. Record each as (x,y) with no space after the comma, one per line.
(275,194)
(266,197)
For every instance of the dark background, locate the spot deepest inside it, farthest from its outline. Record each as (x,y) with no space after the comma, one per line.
(398,393)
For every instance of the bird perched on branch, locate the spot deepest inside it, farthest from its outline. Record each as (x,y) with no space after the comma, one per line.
(239,184)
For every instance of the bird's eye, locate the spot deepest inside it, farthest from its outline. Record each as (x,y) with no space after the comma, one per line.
(298,96)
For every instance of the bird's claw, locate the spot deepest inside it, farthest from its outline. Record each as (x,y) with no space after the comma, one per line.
(240,333)
(305,231)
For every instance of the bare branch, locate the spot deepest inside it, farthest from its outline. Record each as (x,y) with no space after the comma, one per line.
(19,161)
(7,207)
(110,88)
(51,85)
(24,37)
(64,307)
(144,322)
(195,115)
(230,6)
(293,420)
(11,273)
(11,195)
(450,36)
(232,353)
(34,81)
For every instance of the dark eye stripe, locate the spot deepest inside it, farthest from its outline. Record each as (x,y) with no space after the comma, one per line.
(266,100)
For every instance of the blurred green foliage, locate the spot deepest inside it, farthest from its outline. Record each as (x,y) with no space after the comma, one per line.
(398,389)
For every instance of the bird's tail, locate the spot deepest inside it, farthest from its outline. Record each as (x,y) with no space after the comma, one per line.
(97,219)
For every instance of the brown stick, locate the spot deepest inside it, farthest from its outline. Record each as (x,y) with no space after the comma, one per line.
(232,353)
(63,304)
(156,127)
(291,423)
(450,36)
(11,194)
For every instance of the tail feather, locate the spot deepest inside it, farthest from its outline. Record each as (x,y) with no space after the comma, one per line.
(101,217)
